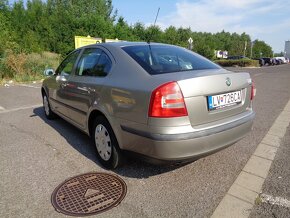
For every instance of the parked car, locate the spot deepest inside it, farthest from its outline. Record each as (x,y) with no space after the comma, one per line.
(261,61)
(268,61)
(157,101)
(279,61)
(282,60)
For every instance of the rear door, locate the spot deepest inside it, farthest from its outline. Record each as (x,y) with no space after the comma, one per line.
(84,87)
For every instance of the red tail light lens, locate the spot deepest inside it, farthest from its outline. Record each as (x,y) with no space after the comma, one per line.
(167,101)
(253,91)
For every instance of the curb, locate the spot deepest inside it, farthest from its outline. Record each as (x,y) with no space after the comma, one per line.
(241,196)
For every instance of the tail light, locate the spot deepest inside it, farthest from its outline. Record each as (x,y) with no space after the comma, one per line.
(253,91)
(167,101)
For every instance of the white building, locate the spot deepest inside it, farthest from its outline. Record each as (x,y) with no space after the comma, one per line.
(287,49)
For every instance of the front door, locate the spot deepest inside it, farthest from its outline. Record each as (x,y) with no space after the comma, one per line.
(63,73)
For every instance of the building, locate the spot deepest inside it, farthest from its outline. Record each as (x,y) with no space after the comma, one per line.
(287,49)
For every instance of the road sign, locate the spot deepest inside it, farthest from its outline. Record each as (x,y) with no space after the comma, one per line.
(83,41)
(190,40)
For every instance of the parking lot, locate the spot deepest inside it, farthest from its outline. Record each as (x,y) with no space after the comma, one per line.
(38,154)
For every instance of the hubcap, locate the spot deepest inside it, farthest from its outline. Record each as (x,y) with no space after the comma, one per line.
(103,142)
(45,105)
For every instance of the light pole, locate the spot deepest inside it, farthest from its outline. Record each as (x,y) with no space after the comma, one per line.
(245,48)
(252,44)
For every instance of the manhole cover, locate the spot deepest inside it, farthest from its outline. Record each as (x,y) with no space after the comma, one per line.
(88,194)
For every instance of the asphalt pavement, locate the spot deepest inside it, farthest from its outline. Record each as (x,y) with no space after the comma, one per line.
(37,155)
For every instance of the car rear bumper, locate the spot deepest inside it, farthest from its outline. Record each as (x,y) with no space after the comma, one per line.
(185,146)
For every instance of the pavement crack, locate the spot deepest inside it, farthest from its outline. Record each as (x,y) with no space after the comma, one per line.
(35,136)
(43,141)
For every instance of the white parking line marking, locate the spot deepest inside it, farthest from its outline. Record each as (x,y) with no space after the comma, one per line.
(29,86)
(20,108)
(275,200)
(258,74)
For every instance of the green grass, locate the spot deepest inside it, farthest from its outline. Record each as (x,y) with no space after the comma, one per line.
(26,67)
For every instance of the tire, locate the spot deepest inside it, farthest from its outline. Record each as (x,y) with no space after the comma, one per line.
(49,114)
(108,151)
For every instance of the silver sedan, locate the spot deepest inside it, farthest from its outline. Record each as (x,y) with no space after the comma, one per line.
(155,101)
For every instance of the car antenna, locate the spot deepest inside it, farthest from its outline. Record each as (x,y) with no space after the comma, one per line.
(150,36)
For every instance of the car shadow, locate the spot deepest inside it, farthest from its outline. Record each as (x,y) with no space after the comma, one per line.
(132,168)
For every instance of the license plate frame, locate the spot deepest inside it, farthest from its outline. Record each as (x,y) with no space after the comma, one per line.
(224,100)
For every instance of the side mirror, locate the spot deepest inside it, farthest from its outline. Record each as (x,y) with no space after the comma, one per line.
(60,78)
(48,72)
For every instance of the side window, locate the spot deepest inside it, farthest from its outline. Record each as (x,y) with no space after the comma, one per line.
(67,65)
(93,62)
(104,65)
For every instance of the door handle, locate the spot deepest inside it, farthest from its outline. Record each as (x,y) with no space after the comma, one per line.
(91,90)
(63,85)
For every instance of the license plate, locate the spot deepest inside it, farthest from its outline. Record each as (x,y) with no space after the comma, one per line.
(224,100)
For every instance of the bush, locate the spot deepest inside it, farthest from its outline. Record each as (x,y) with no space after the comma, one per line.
(240,62)
(26,67)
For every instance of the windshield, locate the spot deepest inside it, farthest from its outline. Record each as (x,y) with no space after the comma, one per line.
(158,59)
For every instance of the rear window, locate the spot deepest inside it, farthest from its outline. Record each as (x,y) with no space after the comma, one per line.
(159,59)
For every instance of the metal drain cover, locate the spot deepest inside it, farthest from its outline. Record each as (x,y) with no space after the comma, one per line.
(88,194)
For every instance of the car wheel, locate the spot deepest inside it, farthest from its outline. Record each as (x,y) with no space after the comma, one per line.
(47,110)
(108,151)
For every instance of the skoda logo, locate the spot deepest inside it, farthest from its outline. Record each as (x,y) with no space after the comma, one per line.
(228,81)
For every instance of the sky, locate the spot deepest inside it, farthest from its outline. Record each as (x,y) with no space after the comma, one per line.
(266,20)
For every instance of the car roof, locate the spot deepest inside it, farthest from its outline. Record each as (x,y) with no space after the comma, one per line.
(123,44)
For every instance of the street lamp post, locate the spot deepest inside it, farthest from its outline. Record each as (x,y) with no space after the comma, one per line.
(245,48)
(252,44)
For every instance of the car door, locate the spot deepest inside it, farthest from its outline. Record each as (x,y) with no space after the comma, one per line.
(64,71)
(85,85)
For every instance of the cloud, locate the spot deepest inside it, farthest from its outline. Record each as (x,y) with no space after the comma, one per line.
(200,16)
(236,4)
(255,17)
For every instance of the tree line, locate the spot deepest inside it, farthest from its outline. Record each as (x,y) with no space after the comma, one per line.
(51,25)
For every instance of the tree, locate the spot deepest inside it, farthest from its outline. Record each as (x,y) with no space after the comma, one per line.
(261,49)
(139,31)
(184,35)
(52,24)
(122,30)
(7,34)
(171,36)
(154,34)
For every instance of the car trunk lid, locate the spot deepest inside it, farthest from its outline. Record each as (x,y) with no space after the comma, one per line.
(198,89)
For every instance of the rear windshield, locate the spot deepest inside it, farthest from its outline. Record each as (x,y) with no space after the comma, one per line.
(159,59)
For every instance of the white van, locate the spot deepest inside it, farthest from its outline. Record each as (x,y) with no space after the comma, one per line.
(283,59)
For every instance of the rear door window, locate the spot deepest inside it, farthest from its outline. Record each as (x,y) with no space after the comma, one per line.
(93,62)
